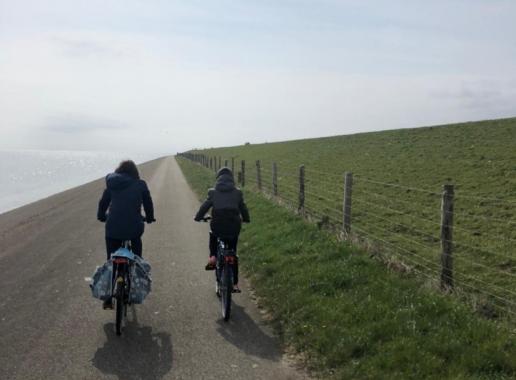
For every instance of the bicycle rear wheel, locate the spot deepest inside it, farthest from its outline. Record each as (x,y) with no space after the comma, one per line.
(119,299)
(226,291)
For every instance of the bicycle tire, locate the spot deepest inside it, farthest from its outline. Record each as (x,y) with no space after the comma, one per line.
(226,290)
(119,310)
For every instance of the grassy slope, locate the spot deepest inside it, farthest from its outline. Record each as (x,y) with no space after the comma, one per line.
(350,316)
(479,158)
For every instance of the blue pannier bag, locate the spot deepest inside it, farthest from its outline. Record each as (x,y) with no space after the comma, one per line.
(145,265)
(140,281)
(101,282)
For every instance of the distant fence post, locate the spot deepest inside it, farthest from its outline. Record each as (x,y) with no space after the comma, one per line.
(258,175)
(220,162)
(233,164)
(243,173)
(226,163)
(274,179)
(301,206)
(447,238)
(348,187)
(211,163)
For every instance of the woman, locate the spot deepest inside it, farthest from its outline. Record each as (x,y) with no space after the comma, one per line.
(124,196)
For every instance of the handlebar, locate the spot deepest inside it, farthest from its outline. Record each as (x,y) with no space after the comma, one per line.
(144,219)
(207,219)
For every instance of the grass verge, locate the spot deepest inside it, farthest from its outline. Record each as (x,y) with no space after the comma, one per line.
(397,184)
(350,316)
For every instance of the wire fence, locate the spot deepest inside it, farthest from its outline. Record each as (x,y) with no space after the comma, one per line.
(458,241)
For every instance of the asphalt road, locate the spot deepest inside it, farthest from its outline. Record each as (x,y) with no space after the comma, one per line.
(52,328)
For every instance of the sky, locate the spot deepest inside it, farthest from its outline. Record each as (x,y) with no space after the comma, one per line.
(167,76)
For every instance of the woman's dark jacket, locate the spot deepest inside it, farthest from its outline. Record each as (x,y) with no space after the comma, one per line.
(124,196)
(227,203)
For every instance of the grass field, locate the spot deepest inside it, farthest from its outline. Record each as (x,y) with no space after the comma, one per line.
(348,315)
(398,178)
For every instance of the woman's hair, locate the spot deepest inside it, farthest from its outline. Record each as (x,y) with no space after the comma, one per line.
(128,167)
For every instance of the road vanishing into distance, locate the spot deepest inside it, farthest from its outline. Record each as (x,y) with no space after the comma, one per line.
(52,328)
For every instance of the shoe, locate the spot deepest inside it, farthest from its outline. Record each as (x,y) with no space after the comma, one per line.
(107,305)
(212,263)
(236,289)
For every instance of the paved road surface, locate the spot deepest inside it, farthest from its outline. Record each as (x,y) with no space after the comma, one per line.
(51,327)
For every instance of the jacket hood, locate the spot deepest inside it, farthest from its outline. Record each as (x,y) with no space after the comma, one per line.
(224,171)
(116,181)
(225,182)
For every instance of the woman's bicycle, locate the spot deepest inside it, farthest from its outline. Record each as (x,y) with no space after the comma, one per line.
(123,258)
(224,275)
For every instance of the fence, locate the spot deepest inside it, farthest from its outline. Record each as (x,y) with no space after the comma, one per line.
(460,242)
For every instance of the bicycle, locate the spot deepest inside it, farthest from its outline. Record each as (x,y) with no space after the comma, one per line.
(224,275)
(123,258)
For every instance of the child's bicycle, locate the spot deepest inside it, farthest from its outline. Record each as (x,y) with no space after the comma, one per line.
(224,275)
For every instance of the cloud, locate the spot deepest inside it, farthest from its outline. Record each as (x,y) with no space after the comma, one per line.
(86,48)
(489,95)
(75,123)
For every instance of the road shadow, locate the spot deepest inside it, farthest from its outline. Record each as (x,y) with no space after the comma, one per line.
(243,332)
(139,353)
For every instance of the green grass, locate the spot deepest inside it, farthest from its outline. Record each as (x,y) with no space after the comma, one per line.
(398,178)
(351,317)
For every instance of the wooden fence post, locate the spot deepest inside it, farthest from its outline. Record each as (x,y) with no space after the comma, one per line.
(301,206)
(348,187)
(243,173)
(447,238)
(220,162)
(258,175)
(226,163)
(232,164)
(274,179)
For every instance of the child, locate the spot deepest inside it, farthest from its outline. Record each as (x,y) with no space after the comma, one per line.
(228,212)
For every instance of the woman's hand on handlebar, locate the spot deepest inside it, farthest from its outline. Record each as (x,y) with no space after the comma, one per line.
(205,219)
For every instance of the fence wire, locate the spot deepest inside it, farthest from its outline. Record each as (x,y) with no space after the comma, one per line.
(404,223)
